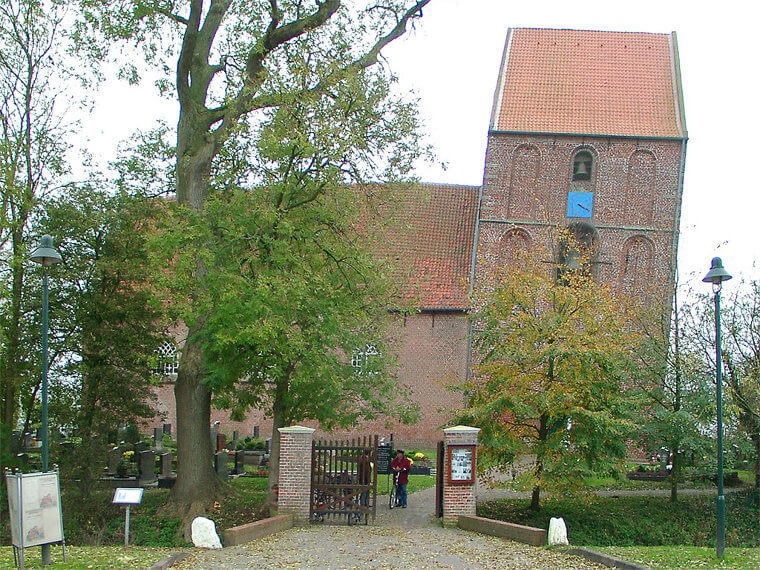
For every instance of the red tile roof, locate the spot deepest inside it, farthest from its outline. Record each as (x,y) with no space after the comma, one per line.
(430,240)
(589,82)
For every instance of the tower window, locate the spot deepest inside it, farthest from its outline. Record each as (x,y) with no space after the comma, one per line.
(582,165)
(168,359)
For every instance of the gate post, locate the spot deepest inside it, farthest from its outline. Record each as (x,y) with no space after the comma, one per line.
(460,464)
(295,472)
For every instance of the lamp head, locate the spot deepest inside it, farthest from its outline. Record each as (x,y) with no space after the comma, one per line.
(45,253)
(717,273)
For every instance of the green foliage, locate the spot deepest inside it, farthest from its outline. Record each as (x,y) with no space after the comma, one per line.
(680,557)
(554,357)
(648,520)
(103,300)
(252,444)
(83,557)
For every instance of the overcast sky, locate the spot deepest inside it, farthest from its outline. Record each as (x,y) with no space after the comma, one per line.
(452,59)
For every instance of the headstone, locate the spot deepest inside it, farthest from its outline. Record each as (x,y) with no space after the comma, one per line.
(239,462)
(140,446)
(114,457)
(214,433)
(268,447)
(221,442)
(158,438)
(557,532)
(38,433)
(235,435)
(204,535)
(166,465)
(147,465)
(168,429)
(220,464)
(27,440)
(256,431)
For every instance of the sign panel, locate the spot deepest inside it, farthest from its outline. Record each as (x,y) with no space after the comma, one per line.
(34,502)
(384,459)
(461,463)
(127,496)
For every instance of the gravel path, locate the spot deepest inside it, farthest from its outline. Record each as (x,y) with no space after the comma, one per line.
(409,538)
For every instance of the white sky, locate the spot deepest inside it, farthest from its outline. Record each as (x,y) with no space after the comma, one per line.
(452,61)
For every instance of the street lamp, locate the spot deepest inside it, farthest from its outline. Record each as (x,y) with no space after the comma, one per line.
(717,275)
(45,254)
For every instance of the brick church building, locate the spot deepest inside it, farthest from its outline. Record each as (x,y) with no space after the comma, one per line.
(587,132)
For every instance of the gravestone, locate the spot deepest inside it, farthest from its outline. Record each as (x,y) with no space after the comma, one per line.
(203,532)
(214,432)
(114,457)
(235,436)
(140,446)
(147,465)
(168,429)
(166,465)
(221,442)
(557,532)
(220,464)
(268,447)
(239,462)
(158,438)
(27,440)
(256,431)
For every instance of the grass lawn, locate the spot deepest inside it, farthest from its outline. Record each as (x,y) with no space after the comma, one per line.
(679,557)
(416,483)
(639,521)
(89,557)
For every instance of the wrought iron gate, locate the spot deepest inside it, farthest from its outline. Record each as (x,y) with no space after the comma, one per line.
(344,480)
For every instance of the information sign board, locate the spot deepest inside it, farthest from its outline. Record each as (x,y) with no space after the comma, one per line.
(384,459)
(127,496)
(461,463)
(34,502)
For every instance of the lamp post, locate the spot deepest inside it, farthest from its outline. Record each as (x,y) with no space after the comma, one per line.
(45,254)
(717,275)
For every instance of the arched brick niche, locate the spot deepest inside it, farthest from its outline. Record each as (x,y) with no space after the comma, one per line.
(636,265)
(524,195)
(512,245)
(640,188)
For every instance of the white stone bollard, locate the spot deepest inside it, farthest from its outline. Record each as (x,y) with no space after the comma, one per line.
(557,532)
(204,535)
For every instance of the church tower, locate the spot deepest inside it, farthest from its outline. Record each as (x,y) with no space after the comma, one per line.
(588,133)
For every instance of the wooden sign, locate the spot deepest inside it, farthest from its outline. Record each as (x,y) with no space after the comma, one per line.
(461,464)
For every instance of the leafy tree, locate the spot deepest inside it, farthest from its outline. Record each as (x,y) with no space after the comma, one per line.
(107,320)
(740,318)
(235,64)
(674,387)
(31,151)
(553,359)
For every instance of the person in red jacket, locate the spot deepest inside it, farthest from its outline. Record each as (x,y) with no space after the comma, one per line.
(401,466)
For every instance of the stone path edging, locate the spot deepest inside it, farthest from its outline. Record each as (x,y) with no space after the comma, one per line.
(606,559)
(170,560)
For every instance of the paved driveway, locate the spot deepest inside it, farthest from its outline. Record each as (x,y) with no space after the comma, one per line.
(401,538)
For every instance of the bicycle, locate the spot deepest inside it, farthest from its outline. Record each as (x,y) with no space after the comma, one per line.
(394,500)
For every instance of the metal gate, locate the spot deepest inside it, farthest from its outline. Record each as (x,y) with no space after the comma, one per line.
(344,480)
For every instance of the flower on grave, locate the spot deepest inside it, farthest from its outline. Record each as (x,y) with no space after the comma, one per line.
(128,455)
(419,455)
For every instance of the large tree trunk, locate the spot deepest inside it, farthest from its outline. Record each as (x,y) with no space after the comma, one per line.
(194,491)
(674,476)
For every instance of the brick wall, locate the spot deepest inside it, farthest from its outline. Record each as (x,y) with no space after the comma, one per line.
(432,354)
(636,210)
(295,471)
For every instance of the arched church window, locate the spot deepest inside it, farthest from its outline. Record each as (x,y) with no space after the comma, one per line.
(168,359)
(636,268)
(576,251)
(582,165)
(364,359)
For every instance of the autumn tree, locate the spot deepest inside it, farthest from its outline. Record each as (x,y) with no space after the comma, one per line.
(554,357)
(233,65)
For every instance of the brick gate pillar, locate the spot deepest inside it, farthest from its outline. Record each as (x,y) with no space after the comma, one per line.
(295,472)
(459,478)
